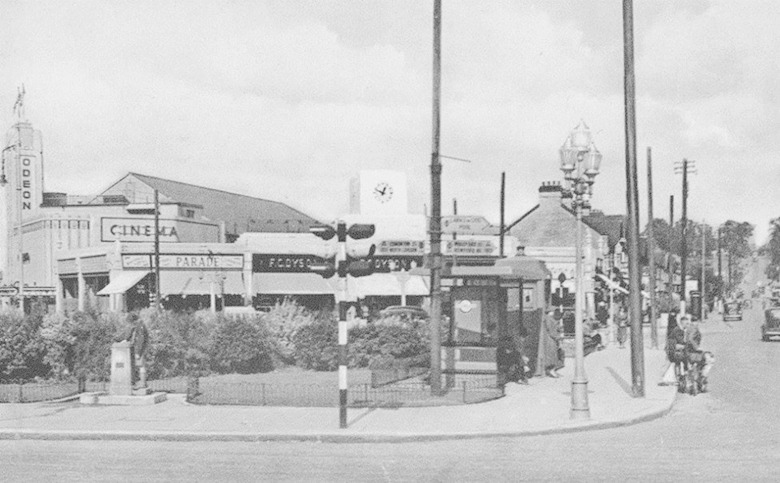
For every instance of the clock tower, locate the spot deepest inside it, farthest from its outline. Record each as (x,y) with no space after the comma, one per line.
(379,192)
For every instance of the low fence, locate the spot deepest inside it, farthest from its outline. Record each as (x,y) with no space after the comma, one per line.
(408,393)
(461,389)
(382,377)
(21,391)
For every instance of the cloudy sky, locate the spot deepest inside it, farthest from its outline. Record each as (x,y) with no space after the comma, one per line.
(289,99)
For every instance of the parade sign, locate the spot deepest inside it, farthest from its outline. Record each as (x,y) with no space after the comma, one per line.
(184,261)
(296,263)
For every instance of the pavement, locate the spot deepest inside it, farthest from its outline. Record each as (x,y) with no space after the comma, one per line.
(539,408)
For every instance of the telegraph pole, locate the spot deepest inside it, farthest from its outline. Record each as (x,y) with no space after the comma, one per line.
(669,261)
(501,231)
(683,168)
(651,252)
(703,271)
(635,279)
(435,221)
(157,250)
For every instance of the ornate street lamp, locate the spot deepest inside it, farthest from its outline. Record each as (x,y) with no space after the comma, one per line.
(580,162)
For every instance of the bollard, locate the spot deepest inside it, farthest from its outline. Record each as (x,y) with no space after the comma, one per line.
(464,393)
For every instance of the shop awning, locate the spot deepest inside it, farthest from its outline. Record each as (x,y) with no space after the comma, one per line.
(611,284)
(199,283)
(384,284)
(291,284)
(123,281)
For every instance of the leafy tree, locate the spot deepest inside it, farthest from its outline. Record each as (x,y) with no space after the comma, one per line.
(772,250)
(736,245)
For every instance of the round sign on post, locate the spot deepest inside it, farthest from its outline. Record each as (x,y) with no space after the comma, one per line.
(562,277)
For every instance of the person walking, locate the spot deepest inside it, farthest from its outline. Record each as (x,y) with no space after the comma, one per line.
(622,326)
(549,344)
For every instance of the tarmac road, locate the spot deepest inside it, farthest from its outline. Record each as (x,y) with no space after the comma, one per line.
(729,434)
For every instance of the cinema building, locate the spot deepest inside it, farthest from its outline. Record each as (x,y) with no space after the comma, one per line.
(216,249)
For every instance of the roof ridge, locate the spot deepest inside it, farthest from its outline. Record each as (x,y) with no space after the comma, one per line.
(206,188)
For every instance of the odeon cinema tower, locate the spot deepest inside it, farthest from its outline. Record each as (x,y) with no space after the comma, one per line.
(21,197)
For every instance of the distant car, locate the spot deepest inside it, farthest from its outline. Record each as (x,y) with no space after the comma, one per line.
(732,311)
(771,327)
(404,311)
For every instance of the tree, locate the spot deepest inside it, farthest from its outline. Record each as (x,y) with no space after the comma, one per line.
(773,250)
(735,238)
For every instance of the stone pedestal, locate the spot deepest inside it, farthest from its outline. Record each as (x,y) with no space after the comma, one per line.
(121,369)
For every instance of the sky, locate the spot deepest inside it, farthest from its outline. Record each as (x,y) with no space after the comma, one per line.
(289,99)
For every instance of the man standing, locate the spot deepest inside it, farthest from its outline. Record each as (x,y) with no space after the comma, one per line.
(549,344)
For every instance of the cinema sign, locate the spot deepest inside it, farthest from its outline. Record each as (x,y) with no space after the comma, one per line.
(137,230)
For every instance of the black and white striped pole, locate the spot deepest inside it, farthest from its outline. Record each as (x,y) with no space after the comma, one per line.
(341,264)
(345,264)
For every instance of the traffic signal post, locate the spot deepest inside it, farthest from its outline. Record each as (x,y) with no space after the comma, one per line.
(353,264)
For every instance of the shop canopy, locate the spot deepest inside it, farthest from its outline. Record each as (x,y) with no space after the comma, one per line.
(199,283)
(291,284)
(387,284)
(123,281)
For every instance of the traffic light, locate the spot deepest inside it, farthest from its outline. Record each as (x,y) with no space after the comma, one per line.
(352,260)
(360,231)
(326,232)
(325,270)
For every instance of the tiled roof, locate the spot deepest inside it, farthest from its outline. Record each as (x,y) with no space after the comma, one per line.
(240,213)
(613,226)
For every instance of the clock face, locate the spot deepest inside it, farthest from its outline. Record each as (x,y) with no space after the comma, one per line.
(383,192)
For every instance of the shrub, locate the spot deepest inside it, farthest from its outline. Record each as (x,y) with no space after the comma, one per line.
(241,345)
(382,342)
(22,349)
(179,343)
(316,346)
(284,320)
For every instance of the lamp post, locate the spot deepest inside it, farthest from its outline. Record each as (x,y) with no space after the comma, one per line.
(580,161)
(3,183)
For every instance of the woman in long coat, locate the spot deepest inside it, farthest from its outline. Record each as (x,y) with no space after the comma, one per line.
(549,343)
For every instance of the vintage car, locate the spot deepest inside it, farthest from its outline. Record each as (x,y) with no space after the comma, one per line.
(406,312)
(732,311)
(771,327)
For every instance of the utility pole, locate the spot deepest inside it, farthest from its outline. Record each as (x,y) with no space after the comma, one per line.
(670,261)
(157,251)
(435,221)
(651,253)
(635,279)
(684,168)
(501,231)
(703,271)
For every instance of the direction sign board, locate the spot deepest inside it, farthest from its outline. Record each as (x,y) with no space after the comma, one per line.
(464,224)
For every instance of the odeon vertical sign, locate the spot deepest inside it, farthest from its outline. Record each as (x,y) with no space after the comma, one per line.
(27,182)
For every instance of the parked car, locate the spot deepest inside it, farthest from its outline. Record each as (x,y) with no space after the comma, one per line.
(771,327)
(407,312)
(732,311)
